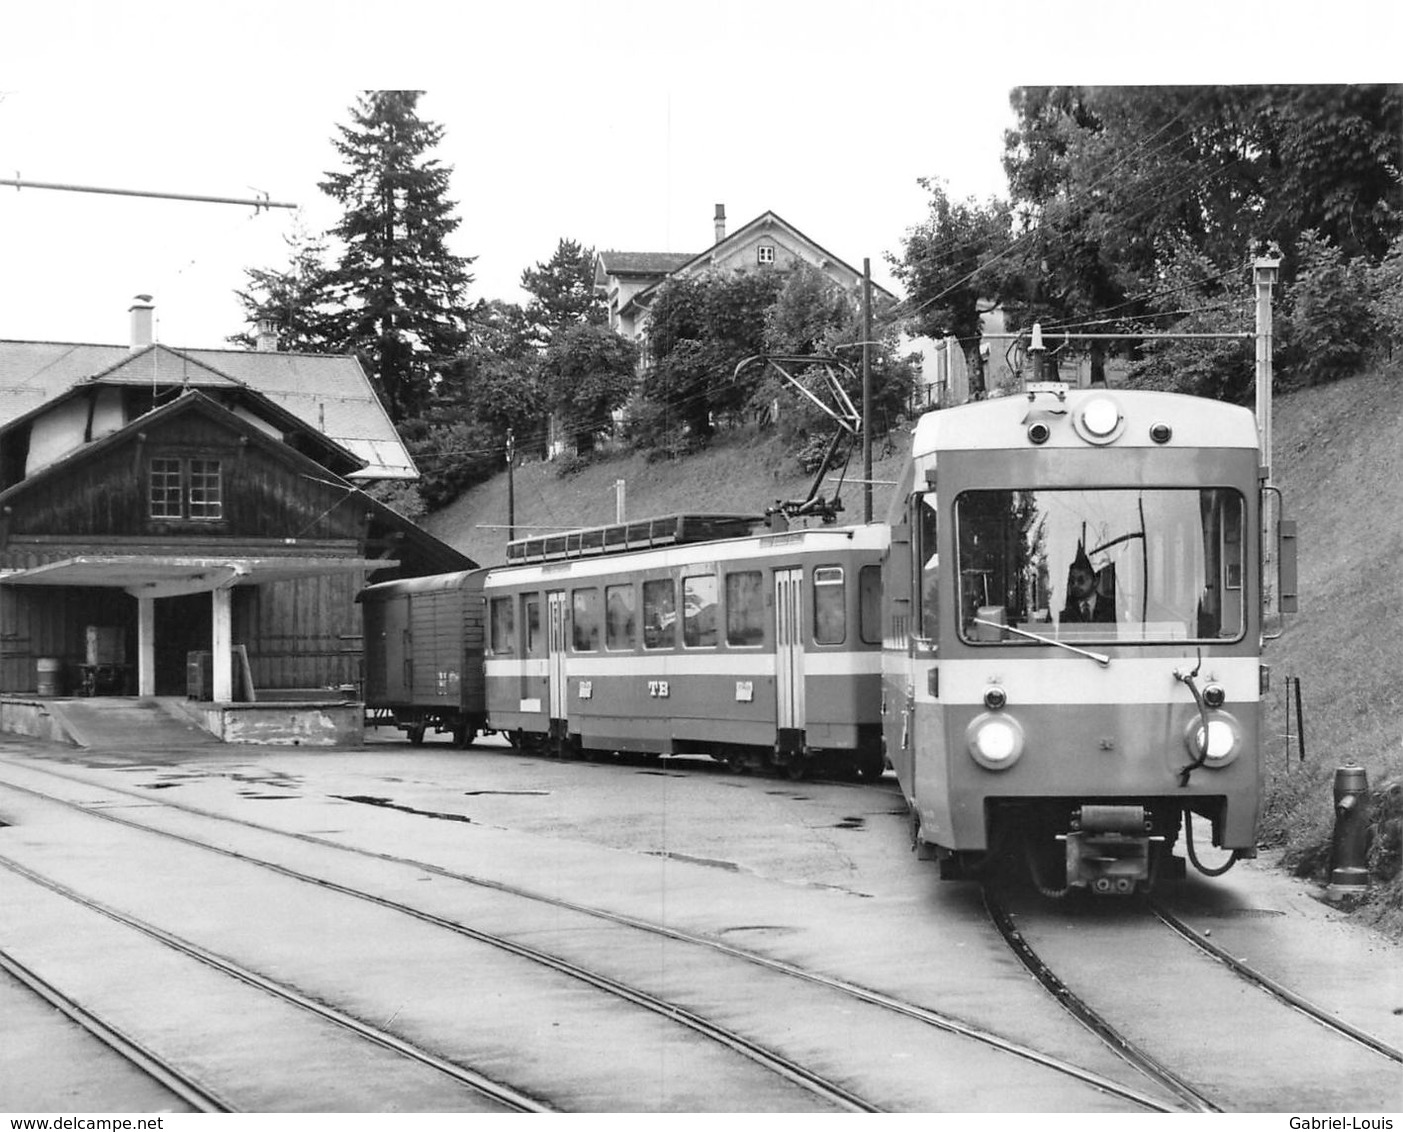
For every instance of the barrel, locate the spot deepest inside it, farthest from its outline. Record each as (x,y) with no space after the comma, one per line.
(50,669)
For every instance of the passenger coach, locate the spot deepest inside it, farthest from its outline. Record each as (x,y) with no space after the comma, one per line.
(754,650)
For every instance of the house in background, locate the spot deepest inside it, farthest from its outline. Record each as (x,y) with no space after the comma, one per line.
(628,281)
(158,502)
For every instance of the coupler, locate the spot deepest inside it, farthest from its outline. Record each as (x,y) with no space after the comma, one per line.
(1349,848)
(1108,849)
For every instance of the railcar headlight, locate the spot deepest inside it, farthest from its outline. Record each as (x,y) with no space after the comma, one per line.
(1224,739)
(994,741)
(1100,420)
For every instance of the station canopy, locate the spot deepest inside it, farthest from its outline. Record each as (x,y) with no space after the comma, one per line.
(174,575)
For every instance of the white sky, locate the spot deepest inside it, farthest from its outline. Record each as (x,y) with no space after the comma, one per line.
(619,125)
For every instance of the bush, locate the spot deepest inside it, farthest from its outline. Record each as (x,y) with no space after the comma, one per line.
(1386,299)
(570,463)
(1329,324)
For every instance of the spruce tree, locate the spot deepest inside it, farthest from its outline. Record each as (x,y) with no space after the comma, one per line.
(562,291)
(399,290)
(296,298)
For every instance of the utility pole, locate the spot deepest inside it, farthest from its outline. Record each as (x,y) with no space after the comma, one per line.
(511,488)
(866,390)
(620,487)
(1264,272)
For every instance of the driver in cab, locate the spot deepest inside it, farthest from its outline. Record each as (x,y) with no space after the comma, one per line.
(1084,602)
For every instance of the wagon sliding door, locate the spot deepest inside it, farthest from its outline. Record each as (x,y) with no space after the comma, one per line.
(789,650)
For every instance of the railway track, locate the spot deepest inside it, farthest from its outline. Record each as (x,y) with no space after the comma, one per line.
(1272,987)
(519,914)
(1199,1063)
(183,1089)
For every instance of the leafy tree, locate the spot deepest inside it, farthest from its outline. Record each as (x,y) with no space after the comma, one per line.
(812,315)
(699,329)
(1332,155)
(399,289)
(1328,329)
(297,298)
(1386,301)
(588,372)
(951,269)
(1104,179)
(490,388)
(562,291)
(1201,300)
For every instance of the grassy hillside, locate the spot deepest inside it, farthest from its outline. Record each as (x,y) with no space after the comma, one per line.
(1339,463)
(741,473)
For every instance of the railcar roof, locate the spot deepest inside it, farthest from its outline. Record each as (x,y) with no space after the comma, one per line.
(1003,422)
(774,545)
(433,582)
(640,534)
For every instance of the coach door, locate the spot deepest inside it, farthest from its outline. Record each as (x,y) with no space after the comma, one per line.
(789,649)
(557,630)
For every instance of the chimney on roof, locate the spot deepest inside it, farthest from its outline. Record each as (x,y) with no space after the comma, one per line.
(266,341)
(142,311)
(720,222)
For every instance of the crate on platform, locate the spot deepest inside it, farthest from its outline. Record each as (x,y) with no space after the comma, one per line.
(107,644)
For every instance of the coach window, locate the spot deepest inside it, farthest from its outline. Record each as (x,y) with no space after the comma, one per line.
(503,631)
(659,614)
(830,606)
(535,641)
(869,596)
(745,608)
(699,611)
(618,618)
(585,634)
(928,569)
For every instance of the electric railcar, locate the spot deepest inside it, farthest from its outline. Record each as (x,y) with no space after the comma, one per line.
(1075,619)
(758,650)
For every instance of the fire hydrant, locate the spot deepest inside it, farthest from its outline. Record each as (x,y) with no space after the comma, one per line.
(1349,851)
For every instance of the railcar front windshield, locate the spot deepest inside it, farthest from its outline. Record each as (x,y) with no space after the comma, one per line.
(1111,565)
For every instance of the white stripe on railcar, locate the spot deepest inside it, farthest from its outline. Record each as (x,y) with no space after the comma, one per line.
(693,664)
(1080,681)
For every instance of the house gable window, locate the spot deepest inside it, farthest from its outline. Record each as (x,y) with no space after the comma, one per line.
(185,488)
(206,496)
(765,254)
(165,491)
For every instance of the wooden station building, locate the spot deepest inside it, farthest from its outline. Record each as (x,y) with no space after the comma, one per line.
(159,503)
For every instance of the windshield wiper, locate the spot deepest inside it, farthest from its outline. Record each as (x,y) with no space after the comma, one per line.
(1100,658)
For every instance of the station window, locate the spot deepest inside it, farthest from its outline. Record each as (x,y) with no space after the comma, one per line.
(830,606)
(206,495)
(503,626)
(699,611)
(618,618)
(659,614)
(179,488)
(165,489)
(585,620)
(745,608)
